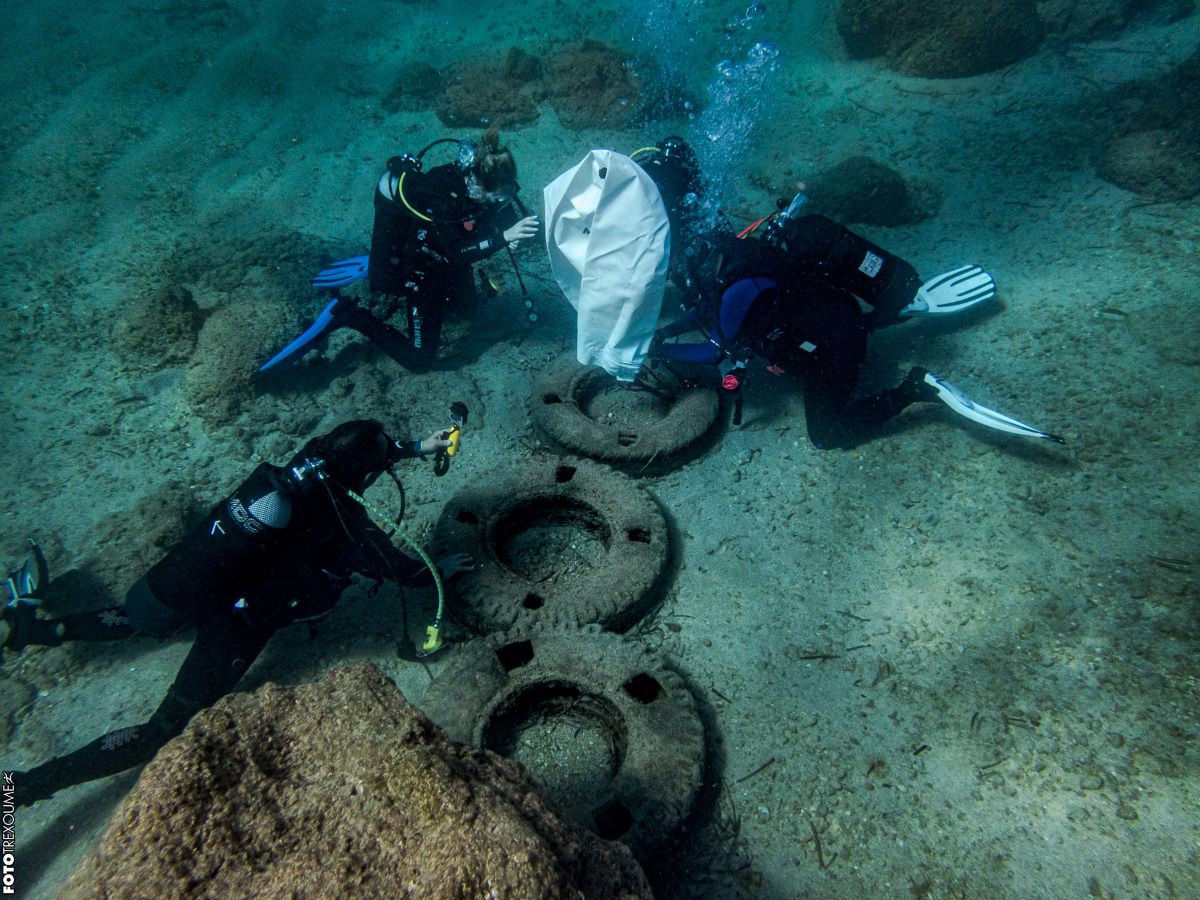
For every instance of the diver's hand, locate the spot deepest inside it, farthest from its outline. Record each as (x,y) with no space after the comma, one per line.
(526,228)
(439,440)
(455,563)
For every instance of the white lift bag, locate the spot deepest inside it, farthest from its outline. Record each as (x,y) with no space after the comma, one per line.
(609,243)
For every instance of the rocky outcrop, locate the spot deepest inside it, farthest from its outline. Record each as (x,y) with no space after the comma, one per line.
(941,38)
(862,191)
(1151,144)
(342,789)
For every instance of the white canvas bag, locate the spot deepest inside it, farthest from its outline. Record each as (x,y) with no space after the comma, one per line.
(609,243)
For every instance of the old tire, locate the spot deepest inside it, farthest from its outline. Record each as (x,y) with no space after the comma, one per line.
(584,410)
(517,528)
(512,693)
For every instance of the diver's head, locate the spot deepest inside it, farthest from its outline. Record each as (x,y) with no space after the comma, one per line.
(352,455)
(491,171)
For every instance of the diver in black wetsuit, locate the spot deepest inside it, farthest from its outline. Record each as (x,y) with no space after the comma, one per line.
(280,549)
(430,227)
(789,295)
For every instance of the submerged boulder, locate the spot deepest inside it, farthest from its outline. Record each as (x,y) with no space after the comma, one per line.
(590,85)
(863,191)
(941,38)
(159,328)
(342,788)
(1082,20)
(504,93)
(1150,146)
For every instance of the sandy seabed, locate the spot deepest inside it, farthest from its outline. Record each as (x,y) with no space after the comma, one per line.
(947,663)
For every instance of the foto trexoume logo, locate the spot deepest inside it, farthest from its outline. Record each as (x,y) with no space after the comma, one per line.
(8,833)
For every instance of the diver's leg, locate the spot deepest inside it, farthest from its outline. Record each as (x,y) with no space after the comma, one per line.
(220,656)
(834,423)
(426,313)
(390,340)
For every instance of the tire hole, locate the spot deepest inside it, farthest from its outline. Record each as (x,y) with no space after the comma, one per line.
(548,399)
(533,601)
(545,540)
(612,820)
(640,535)
(627,438)
(643,688)
(467,517)
(572,742)
(563,474)
(514,655)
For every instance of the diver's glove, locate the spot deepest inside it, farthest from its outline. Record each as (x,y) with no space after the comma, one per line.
(455,563)
(915,389)
(952,292)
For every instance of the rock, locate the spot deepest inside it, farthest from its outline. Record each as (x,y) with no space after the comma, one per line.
(416,87)
(237,337)
(1154,130)
(590,86)
(489,92)
(863,191)
(341,788)
(520,67)
(941,38)
(1160,164)
(15,698)
(1082,20)
(159,328)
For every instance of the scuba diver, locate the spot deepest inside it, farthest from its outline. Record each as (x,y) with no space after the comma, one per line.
(675,171)
(790,295)
(280,549)
(430,227)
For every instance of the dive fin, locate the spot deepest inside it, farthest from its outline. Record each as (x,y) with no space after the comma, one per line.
(341,273)
(34,573)
(965,406)
(303,342)
(952,292)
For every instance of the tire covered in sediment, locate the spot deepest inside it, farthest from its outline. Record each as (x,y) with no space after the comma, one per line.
(483,520)
(494,688)
(565,399)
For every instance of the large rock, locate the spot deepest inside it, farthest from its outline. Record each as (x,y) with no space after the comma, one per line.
(341,789)
(1082,20)
(860,190)
(1151,143)
(591,86)
(941,38)
(159,328)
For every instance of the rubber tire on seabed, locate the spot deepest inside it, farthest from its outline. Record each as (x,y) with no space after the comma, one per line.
(491,685)
(480,519)
(561,397)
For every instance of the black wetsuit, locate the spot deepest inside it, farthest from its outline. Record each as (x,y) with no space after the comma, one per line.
(421,257)
(270,554)
(791,300)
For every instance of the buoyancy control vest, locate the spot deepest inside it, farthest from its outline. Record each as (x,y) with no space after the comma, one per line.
(232,551)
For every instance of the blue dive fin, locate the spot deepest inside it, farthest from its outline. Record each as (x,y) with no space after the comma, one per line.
(302,343)
(24,583)
(341,273)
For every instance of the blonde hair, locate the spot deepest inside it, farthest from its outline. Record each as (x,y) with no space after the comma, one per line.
(494,164)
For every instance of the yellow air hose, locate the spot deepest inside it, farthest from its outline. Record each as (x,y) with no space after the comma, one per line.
(433,633)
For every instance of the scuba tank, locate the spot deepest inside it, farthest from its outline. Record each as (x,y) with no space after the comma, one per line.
(237,542)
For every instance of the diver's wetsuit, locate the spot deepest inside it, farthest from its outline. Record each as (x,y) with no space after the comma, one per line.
(791,300)
(266,556)
(421,256)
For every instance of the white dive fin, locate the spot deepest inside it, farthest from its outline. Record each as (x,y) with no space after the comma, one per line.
(965,406)
(952,292)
